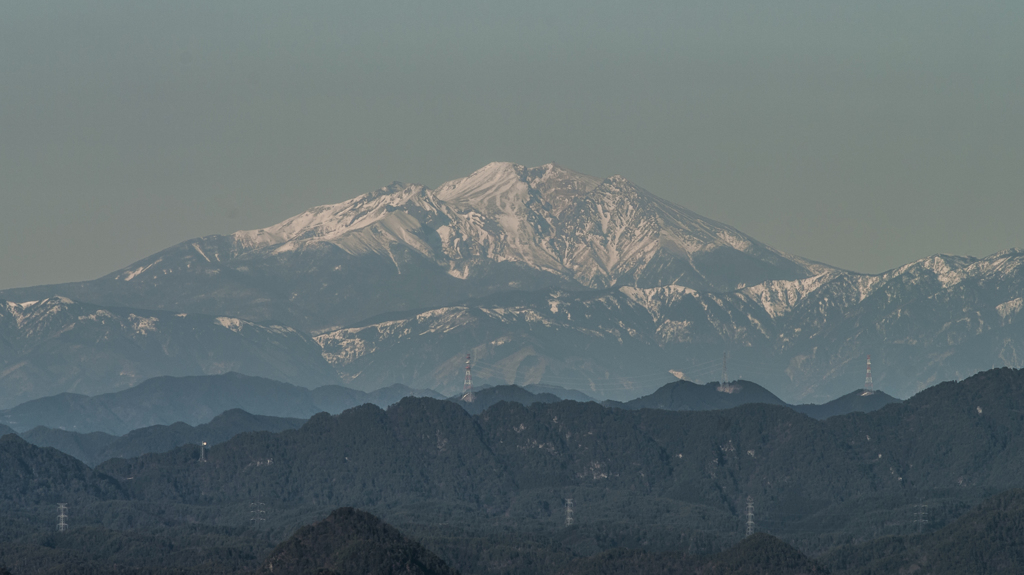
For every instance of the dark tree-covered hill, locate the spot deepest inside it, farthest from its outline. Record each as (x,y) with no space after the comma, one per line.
(862,400)
(957,441)
(988,540)
(352,542)
(192,400)
(82,446)
(30,475)
(759,554)
(488,493)
(688,396)
(484,398)
(96,447)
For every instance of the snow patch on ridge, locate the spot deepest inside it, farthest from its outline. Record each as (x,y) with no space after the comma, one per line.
(231,323)
(131,275)
(597,233)
(781,296)
(1010,308)
(143,325)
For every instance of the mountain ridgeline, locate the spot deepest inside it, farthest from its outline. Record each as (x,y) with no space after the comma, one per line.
(57,345)
(96,447)
(405,247)
(93,430)
(544,275)
(753,449)
(352,542)
(88,428)
(486,493)
(192,400)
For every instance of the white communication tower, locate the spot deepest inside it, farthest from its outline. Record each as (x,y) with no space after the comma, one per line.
(568,513)
(202,452)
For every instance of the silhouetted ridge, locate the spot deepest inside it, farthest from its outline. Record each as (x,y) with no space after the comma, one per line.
(762,554)
(489,396)
(689,396)
(759,554)
(193,400)
(988,539)
(862,400)
(31,475)
(352,542)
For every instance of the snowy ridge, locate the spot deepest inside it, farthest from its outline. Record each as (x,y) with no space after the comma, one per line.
(596,233)
(940,317)
(406,247)
(53,316)
(547,274)
(58,345)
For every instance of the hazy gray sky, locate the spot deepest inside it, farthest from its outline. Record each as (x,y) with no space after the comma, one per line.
(864,134)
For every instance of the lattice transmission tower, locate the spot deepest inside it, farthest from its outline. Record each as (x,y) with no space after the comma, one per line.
(921,517)
(725,371)
(868,383)
(750,516)
(256,513)
(62,517)
(467,385)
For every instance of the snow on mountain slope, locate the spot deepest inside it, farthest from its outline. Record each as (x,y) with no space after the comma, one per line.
(562,278)
(806,340)
(58,345)
(403,247)
(595,233)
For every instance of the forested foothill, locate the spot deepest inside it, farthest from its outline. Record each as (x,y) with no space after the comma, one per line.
(929,485)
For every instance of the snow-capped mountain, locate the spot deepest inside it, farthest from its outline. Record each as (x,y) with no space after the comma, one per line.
(58,345)
(585,231)
(807,340)
(546,276)
(406,247)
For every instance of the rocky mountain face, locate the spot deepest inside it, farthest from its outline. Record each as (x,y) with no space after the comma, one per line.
(805,339)
(546,276)
(407,247)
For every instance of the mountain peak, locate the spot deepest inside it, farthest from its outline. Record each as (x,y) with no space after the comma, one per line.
(486,185)
(513,182)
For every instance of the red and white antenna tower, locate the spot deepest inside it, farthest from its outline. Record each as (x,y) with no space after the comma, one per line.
(868,384)
(467,387)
